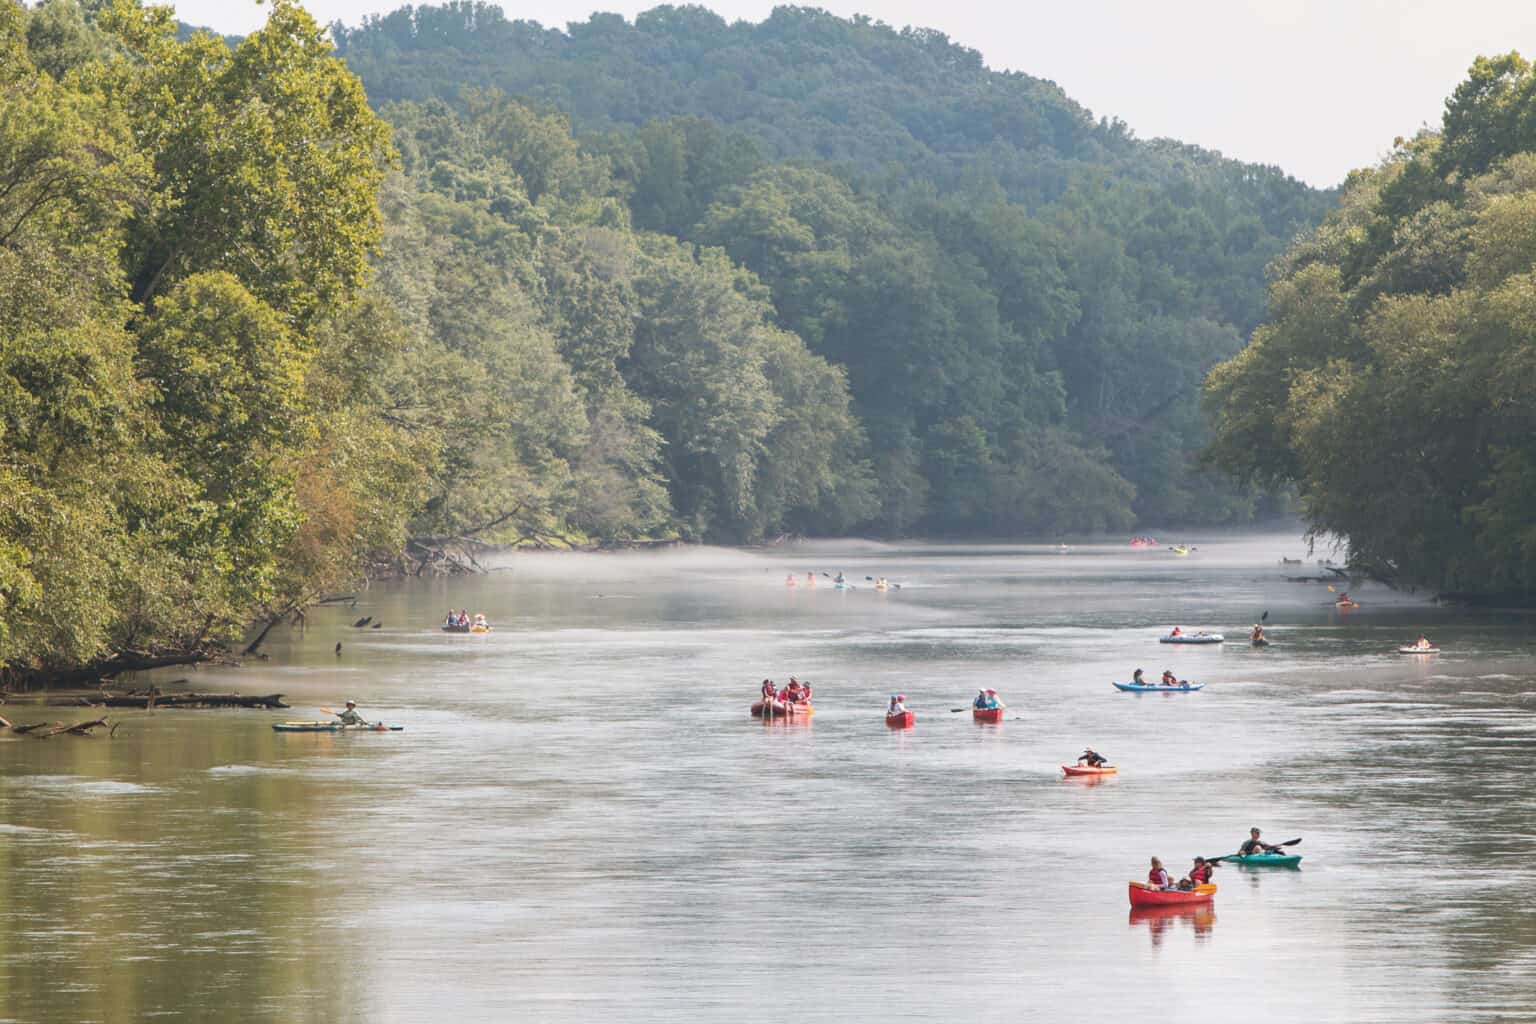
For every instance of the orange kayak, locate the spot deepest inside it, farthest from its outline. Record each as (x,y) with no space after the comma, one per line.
(1082,769)
(987,714)
(903,720)
(1144,895)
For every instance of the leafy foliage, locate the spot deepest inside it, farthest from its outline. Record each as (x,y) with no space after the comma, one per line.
(1393,384)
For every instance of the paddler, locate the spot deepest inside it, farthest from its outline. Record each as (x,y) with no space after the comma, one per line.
(1423,643)
(1159,876)
(350,716)
(1177,631)
(1136,678)
(1200,874)
(898,705)
(1257,635)
(1169,679)
(1092,758)
(1256,845)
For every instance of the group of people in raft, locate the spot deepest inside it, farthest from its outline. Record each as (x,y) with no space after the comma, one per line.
(459,619)
(795,693)
(1200,873)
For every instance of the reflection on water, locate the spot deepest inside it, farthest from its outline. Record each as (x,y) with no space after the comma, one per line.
(581,821)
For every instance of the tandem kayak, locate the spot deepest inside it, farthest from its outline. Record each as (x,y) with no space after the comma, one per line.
(455,629)
(904,720)
(333,727)
(1192,638)
(1083,769)
(1147,688)
(1267,860)
(1418,650)
(781,709)
(987,714)
(1144,895)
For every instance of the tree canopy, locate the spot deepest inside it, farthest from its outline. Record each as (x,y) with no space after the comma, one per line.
(1392,383)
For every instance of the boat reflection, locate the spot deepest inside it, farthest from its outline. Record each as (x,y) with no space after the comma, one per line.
(1160,920)
(1089,780)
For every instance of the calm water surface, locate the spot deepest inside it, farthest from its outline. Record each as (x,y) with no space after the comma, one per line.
(581,823)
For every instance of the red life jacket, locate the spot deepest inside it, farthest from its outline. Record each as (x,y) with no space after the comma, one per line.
(1200,874)
(1158,876)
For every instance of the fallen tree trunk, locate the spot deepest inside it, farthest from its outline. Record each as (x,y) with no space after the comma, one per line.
(188,700)
(77,728)
(107,668)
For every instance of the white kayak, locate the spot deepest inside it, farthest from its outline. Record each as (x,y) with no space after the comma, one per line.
(1418,650)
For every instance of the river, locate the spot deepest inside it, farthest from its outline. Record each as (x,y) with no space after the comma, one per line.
(580,821)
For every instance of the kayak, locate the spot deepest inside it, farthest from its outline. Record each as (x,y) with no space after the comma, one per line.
(903,720)
(1346,604)
(333,727)
(841,586)
(1083,769)
(987,714)
(1418,650)
(1271,860)
(1144,895)
(1194,638)
(1135,688)
(455,629)
(1181,551)
(781,709)
(480,629)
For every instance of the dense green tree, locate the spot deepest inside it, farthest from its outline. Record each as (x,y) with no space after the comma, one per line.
(1393,383)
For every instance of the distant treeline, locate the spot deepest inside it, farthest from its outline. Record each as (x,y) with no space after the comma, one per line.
(1395,387)
(1024,300)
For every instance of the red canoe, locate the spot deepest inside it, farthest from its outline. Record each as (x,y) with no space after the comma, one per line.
(780,709)
(987,714)
(1144,895)
(1082,769)
(901,721)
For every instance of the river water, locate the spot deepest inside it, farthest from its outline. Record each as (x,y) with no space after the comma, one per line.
(580,821)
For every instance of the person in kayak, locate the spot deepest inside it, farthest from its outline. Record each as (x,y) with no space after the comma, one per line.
(1169,679)
(1092,758)
(898,705)
(1256,845)
(1176,631)
(1422,643)
(350,716)
(1257,635)
(1137,679)
(986,700)
(1159,876)
(839,578)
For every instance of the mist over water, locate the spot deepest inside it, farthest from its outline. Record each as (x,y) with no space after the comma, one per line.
(581,822)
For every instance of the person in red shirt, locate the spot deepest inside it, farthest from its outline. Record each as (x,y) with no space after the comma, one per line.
(805,692)
(769,693)
(793,694)
(1159,876)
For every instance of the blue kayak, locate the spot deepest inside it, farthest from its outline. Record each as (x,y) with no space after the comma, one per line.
(1145,688)
(1193,638)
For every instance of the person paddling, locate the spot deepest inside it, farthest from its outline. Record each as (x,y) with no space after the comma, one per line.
(1257,636)
(1092,758)
(1158,876)
(1169,679)
(1256,845)
(1137,679)
(350,716)
(898,706)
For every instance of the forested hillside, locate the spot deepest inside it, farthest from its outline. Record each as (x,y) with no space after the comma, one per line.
(1024,299)
(1394,385)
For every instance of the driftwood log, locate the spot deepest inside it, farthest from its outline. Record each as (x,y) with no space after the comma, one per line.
(43,730)
(190,700)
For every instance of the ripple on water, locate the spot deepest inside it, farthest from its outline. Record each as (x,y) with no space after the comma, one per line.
(74,785)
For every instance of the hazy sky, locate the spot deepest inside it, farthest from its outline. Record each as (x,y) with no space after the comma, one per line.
(1315,86)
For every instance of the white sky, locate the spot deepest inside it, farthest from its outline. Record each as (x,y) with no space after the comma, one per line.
(1315,86)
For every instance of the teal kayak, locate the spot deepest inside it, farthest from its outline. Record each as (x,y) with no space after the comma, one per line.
(333,727)
(1147,688)
(1268,860)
